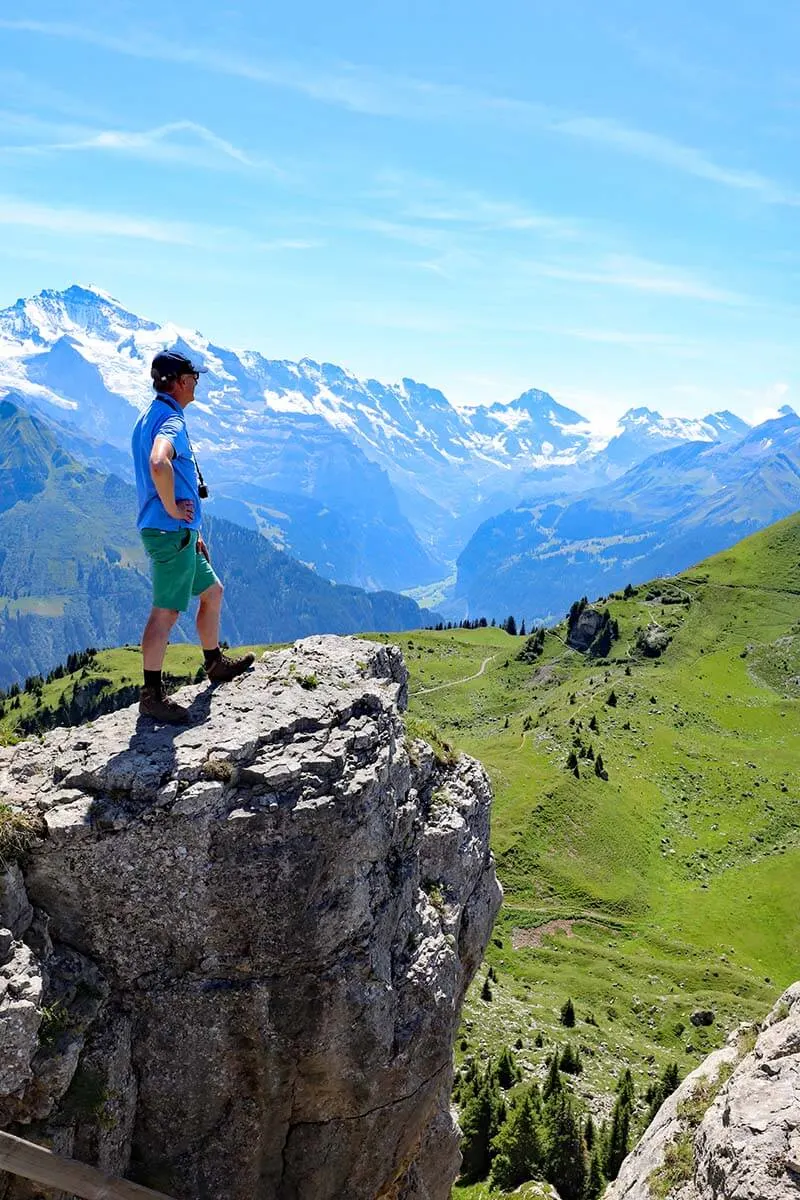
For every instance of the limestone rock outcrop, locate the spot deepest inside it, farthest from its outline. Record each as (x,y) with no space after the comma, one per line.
(235,953)
(731,1131)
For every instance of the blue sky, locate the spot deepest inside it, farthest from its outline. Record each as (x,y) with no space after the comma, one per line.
(587,198)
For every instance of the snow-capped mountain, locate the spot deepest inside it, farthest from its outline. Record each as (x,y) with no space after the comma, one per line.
(404,472)
(667,512)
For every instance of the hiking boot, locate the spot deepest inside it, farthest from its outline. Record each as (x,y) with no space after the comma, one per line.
(225,669)
(153,702)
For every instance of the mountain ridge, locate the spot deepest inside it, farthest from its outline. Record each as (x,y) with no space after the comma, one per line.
(73,572)
(82,358)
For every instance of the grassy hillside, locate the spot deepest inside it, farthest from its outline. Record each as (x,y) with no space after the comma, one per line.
(671,887)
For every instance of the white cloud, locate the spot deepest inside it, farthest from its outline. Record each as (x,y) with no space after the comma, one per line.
(75,221)
(639,275)
(161,140)
(174,142)
(668,153)
(364,90)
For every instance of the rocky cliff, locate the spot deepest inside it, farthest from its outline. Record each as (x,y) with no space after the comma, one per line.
(234,954)
(732,1129)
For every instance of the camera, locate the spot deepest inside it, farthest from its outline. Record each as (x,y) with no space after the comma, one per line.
(202,491)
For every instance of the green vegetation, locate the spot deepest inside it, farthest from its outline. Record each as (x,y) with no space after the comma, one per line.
(16,834)
(655,876)
(670,886)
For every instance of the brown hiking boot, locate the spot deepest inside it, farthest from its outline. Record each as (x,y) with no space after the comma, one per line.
(153,702)
(225,669)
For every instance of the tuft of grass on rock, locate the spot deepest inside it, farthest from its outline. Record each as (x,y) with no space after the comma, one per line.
(17,832)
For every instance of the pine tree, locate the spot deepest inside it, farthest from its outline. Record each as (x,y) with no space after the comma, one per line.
(566,1165)
(486,990)
(518,1147)
(595,1182)
(567,1015)
(522,628)
(612,699)
(477,1130)
(507,1072)
(571,1060)
(552,1083)
(511,627)
(619,1134)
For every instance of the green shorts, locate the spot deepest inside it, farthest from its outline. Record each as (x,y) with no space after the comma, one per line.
(179,570)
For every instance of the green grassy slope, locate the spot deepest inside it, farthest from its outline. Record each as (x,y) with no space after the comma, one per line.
(677,881)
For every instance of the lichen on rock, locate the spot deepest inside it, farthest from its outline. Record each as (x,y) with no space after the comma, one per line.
(252,937)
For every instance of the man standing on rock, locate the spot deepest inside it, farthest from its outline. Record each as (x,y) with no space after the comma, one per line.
(169,523)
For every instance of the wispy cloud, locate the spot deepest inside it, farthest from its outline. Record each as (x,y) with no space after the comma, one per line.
(19,213)
(420,198)
(639,275)
(365,90)
(161,142)
(175,142)
(675,155)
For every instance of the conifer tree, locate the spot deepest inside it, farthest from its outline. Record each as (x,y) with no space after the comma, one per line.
(566,1165)
(619,1133)
(518,1147)
(567,1014)
(552,1083)
(477,1130)
(595,1182)
(507,1072)
(571,1060)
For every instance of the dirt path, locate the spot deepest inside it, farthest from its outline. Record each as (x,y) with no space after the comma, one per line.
(454,682)
(531,938)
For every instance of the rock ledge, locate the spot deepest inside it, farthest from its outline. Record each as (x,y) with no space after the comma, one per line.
(235,955)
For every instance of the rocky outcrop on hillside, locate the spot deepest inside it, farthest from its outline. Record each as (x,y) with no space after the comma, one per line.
(234,954)
(732,1129)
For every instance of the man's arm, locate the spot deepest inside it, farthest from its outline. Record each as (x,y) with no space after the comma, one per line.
(163,476)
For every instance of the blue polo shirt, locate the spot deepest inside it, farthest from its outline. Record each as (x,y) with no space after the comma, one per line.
(164,418)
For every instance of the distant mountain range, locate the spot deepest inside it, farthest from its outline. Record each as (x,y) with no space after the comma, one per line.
(671,510)
(371,484)
(73,572)
(392,486)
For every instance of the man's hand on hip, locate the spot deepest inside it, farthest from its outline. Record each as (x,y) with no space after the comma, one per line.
(183,510)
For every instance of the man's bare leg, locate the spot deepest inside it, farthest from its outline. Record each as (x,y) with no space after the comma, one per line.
(208,616)
(156,636)
(153,702)
(220,668)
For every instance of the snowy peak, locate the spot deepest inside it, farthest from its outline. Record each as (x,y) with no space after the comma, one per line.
(45,318)
(646,422)
(727,425)
(542,407)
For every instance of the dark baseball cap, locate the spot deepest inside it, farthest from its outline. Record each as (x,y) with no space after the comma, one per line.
(169,364)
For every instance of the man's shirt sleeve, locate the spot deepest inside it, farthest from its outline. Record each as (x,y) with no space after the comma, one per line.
(171,429)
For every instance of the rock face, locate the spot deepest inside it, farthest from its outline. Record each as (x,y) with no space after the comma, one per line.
(732,1129)
(236,952)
